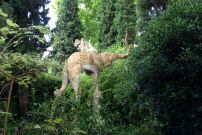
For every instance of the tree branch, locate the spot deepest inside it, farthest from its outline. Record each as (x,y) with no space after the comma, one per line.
(7,108)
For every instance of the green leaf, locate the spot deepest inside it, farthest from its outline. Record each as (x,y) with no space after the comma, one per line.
(11,23)
(4,31)
(57,120)
(39,38)
(77,131)
(37,126)
(42,29)
(4,113)
(17,43)
(2,41)
(3,14)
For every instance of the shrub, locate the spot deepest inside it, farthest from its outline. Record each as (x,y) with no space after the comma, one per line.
(167,67)
(123,111)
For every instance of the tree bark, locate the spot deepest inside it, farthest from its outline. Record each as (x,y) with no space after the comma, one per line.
(126,40)
(23,100)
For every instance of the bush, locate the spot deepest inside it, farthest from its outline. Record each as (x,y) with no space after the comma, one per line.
(167,67)
(123,111)
(32,86)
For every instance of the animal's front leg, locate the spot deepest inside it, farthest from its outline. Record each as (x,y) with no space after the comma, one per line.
(95,80)
(97,92)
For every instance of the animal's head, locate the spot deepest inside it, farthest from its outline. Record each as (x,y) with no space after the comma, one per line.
(77,44)
(83,46)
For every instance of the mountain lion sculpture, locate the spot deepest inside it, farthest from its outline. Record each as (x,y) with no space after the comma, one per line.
(91,63)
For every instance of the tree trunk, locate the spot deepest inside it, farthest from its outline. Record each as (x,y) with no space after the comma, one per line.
(126,40)
(23,100)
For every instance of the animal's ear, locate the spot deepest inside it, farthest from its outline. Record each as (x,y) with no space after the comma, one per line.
(82,42)
(86,44)
(77,42)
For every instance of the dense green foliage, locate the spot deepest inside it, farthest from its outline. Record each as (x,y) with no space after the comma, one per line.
(125,20)
(107,31)
(68,28)
(27,14)
(89,17)
(156,91)
(17,71)
(148,9)
(167,67)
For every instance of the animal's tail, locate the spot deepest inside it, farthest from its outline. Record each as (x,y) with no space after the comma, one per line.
(60,91)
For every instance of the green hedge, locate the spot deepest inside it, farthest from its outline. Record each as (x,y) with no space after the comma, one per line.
(167,67)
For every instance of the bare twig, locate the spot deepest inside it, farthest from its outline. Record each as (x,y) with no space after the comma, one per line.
(7,108)
(10,41)
(8,44)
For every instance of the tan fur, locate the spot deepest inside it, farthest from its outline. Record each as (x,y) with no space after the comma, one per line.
(84,46)
(89,62)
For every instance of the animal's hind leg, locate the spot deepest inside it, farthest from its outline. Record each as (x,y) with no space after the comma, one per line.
(74,76)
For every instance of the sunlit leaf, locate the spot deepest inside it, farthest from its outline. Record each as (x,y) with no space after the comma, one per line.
(11,23)
(42,29)
(3,14)
(57,120)
(2,41)
(37,127)
(4,113)
(39,38)
(77,131)
(4,31)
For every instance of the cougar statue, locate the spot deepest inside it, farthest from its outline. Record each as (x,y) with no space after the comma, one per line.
(91,63)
